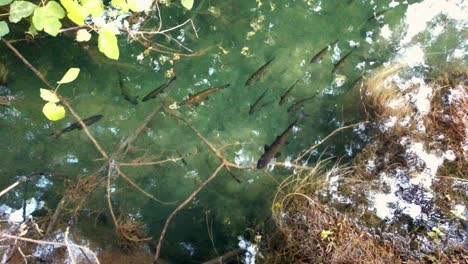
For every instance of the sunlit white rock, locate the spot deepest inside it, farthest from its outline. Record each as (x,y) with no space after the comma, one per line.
(393,4)
(43,182)
(353,44)
(242,158)
(459,53)
(31,206)
(412,56)
(211,71)
(386,32)
(419,14)
(432,163)
(72,159)
(450,155)
(361,65)
(188,247)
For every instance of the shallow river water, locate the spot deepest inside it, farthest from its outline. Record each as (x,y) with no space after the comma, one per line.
(239,37)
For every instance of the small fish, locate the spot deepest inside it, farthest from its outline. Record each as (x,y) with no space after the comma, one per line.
(285,95)
(88,121)
(254,108)
(158,90)
(294,107)
(340,63)
(198,97)
(323,52)
(125,93)
(258,74)
(376,15)
(273,149)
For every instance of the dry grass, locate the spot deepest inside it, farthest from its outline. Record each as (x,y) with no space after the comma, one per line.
(312,232)
(380,93)
(130,233)
(450,119)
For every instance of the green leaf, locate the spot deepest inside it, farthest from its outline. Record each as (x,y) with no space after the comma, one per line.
(54,9)
(93,7)
(20,9)
(75,11)
(83,35)
(107,43)
(5,2)
(3,28)
(70,76)
(47,18)
(49,96)
(53,112)
(187,4)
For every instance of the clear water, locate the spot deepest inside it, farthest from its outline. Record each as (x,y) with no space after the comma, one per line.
(291,31)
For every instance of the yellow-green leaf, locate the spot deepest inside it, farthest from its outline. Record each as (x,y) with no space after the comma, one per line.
(75,11)
(107,43)
(49,96)
(47,18)
(83,35)
(70,76)
(3,28)
(20,9)
(187,4)
(53,112)
(93,7)
(5,2)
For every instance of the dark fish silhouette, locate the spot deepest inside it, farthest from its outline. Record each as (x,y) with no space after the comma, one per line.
(254,108)
(294,107)
(158,90)
(258,74)
(285,95)
(125,93)
(322,53)
(198,97)
(273,149)
(341,62)
(376,15)
(88,121)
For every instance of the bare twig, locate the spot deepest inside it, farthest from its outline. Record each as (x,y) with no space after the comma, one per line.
(210,146)
(63,100)
(135,164)
(56,214)
(109,202)
(70,253)
(181,206)
(7,189)
(134,185)
(324,139)
(41,242)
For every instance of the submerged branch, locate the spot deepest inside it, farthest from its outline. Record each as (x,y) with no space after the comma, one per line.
(181,206)
(70,253)
(325,139)
(135,164)
(63,100)
(136,186)
(41,242)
